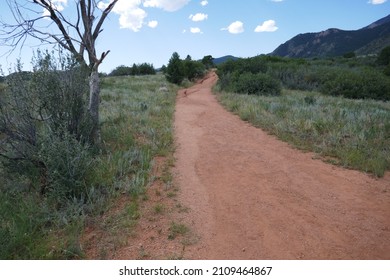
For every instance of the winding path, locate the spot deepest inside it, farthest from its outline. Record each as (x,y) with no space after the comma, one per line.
(252,196)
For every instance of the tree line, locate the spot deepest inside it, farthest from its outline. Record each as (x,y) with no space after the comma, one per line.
(135,70)
(178,70)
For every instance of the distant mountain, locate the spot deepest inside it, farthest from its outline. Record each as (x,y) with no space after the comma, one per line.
(223,59)
(378,22)
(336,42)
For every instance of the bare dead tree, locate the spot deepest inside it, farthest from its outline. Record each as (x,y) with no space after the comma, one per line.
(45,21)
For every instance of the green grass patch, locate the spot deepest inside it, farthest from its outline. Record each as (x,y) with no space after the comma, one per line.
(177,229)
(136,127)
(354,133)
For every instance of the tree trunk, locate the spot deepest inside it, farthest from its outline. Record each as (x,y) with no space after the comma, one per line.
(93,107)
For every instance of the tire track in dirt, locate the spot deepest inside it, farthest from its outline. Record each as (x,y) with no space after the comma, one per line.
(254,197)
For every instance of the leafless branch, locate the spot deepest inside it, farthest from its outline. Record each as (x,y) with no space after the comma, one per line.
(77,36)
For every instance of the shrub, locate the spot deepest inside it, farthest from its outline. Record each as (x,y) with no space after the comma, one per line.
(258,84)
(43,120)
(193,69)
(349,55)
(67,163)
(121,71)
(384,56)
(359,85)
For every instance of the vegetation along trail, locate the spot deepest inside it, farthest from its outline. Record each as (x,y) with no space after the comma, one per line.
(252,196)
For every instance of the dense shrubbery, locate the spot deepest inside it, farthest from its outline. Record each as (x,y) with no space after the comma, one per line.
(250,83)
(248,76)
(351,78)
(135,70)
(384,60)
(43,117)
(178,69)
(45,154)
(362,84)
(384,57)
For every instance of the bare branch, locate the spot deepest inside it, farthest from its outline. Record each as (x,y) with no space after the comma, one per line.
(14,35)
(102,19)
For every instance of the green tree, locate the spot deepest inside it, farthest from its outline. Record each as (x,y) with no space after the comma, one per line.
(349,55)
(175,72)
(121,71)
(384,56)
(193,69)
(146,69)
(208,61)
(134,70)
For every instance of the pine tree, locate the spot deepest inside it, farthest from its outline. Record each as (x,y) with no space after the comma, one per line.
(175,72)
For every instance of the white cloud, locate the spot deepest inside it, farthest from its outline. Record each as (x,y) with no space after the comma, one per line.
(132,19)
(196,30)
(267,26)
(376,2)
(167,5)
(132,16)
(235,28)
(204,3)
(153,23)
(277,0)
(59,5)
(198,17)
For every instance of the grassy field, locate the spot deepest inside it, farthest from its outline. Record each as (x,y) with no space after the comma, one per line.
(136,127)
(136,118)
(351,133)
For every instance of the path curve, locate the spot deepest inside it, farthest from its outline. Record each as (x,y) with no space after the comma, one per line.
(252,196)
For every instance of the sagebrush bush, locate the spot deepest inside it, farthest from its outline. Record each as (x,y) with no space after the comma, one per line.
(43,119)
(257,84)
(358,85)
(67,163)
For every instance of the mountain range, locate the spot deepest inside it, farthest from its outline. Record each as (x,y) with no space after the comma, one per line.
(336,42)
(220,60)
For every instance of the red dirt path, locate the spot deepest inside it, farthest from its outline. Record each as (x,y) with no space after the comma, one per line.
(252,196)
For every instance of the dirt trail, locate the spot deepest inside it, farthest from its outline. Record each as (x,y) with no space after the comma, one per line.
(254,197)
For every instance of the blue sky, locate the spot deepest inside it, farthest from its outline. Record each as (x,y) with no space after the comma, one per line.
(150,31)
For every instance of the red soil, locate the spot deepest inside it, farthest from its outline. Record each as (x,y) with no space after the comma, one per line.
(252,196)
